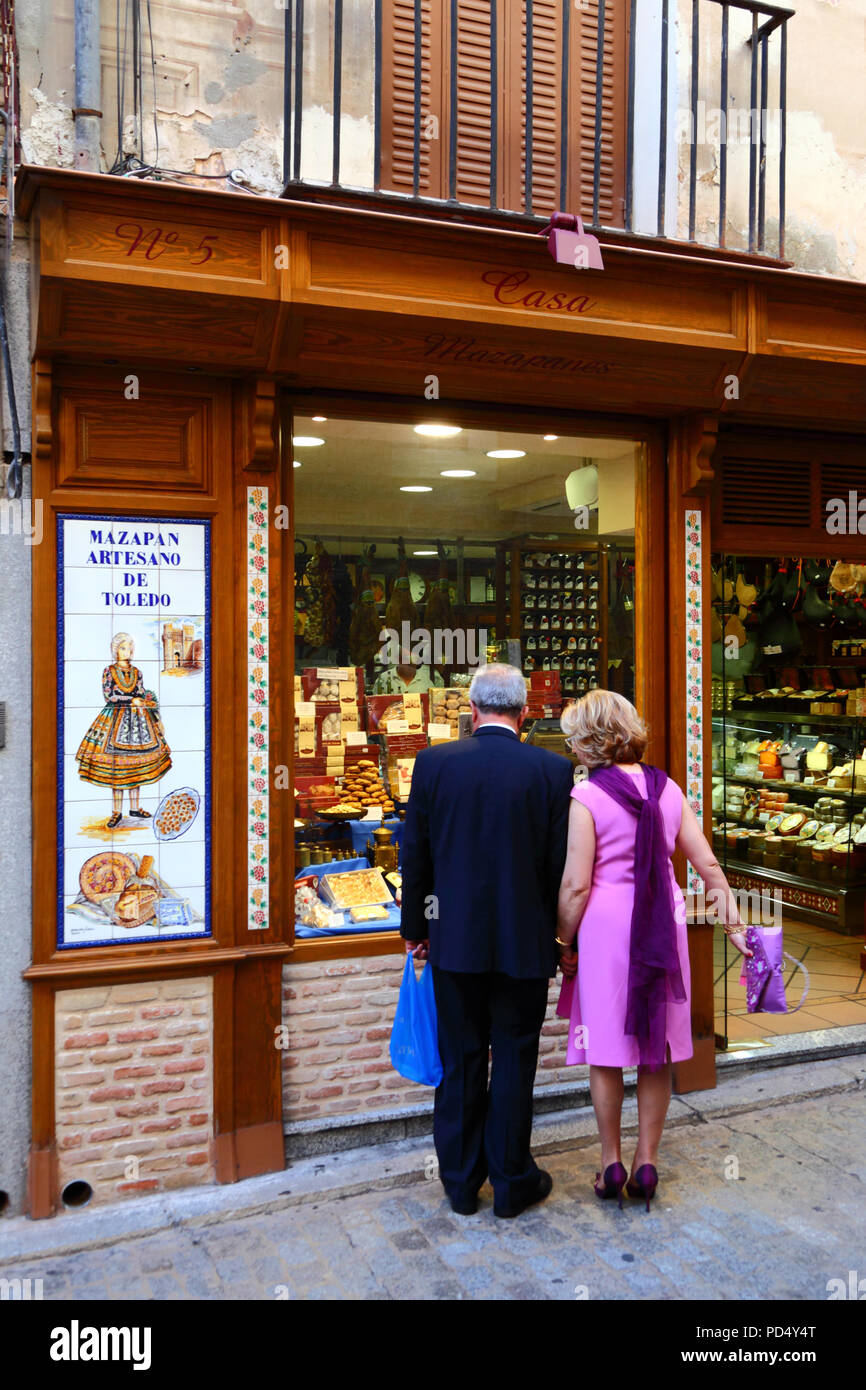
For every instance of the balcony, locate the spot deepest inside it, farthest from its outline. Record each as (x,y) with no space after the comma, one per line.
(649,118)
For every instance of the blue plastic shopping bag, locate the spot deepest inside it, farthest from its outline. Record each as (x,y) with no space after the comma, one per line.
(414,1036)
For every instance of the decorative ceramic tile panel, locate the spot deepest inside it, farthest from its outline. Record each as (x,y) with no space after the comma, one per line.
(258,763)
(133,723)
(694,676)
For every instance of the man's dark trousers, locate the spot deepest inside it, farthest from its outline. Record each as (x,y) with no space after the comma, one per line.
(479,1131)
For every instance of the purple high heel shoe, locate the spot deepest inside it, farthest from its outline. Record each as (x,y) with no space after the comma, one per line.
(614,1181)
(644,1183)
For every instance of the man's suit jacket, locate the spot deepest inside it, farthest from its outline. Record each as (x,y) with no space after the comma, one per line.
(483,853)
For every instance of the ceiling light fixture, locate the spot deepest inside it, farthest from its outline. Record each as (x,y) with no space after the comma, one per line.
(425,552)
(506,453)
(307,441)
(458,473)
(296,463)
(319,419)
(413,488)
(439,431)
(550,437)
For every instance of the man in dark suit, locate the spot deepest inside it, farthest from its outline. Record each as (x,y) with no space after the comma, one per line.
(482,857)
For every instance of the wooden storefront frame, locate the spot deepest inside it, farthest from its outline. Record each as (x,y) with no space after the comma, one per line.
(677,323)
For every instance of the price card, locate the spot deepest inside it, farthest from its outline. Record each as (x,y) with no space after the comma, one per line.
(355,737)
(438,730)
(397,726)
(374,814)
(334,673)
(305,709)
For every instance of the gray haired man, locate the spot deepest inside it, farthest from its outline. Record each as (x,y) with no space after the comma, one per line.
(483,854)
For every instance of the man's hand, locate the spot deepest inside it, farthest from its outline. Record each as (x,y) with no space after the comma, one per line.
(418,949)
(568,961)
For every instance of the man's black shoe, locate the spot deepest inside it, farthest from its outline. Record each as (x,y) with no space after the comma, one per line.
(467,1206)
(545,1184)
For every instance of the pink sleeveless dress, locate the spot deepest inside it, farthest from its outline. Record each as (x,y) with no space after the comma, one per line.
(595,1000)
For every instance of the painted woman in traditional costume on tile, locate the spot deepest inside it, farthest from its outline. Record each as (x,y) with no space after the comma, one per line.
(125,745)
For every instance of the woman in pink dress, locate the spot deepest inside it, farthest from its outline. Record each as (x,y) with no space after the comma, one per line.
(622,929)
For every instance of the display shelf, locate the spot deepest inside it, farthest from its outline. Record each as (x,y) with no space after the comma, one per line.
(773,784)
(751,716)
(833,904)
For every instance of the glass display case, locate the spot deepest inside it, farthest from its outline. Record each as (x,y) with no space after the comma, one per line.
(788,735)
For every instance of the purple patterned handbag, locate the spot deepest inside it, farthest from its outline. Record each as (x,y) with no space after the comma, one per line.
(763,972)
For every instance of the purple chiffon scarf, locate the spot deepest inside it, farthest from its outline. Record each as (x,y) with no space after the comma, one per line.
(654,962)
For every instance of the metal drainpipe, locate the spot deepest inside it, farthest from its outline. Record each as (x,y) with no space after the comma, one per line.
(88,88)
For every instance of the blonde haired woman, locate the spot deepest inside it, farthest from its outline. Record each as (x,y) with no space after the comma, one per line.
(626,987)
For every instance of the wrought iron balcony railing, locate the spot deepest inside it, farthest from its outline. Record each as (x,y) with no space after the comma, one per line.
(664,118)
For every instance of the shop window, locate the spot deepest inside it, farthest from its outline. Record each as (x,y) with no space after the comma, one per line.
(418,557)
(789,776)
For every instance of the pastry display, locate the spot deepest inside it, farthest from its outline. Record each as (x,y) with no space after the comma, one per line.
(374,913)
(364,786)
(344,810)
(446,706)
(356,888)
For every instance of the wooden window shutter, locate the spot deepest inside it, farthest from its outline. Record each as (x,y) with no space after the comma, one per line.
(398,96)
(474,103)
(611,203)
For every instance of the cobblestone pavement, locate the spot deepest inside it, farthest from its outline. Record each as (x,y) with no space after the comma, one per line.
(765,1204)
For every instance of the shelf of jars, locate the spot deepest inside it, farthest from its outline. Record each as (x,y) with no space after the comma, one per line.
(558,611)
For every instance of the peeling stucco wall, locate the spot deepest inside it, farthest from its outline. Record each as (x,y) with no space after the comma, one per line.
(217,94)
(826,135)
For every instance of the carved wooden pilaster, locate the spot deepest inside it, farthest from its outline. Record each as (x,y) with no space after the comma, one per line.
(698,438)
(260,418)
(43,432)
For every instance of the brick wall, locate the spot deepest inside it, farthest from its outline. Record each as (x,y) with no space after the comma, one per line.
(134,1087)
(339,1014)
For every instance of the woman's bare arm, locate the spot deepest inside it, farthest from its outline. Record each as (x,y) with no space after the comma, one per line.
(694,845)
(577,878)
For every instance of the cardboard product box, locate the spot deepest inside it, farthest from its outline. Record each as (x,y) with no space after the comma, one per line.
(544,680)
(328,723)
(383,708)
(313,792)
(325,682)
(447,703)
(401,752)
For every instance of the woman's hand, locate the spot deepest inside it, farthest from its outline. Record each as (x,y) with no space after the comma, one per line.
(739,940)
(568,961)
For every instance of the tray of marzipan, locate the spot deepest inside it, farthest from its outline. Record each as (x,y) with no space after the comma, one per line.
(355,888)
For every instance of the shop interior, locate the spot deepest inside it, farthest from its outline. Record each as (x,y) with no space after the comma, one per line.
(789,777)
(421,549)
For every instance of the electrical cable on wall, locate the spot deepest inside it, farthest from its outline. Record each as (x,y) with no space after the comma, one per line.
(134,165)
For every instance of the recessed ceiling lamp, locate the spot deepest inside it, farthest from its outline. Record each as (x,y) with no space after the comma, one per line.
(319,419)
(439,431)
(296,463)
(413,488)
(306,441)
(425,552)
(458,473)
(550,437)
(506,453)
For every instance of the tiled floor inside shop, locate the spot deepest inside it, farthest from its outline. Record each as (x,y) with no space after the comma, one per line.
(837,985)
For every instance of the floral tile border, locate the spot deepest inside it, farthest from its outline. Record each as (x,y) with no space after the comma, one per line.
(694,673)
(258,743)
